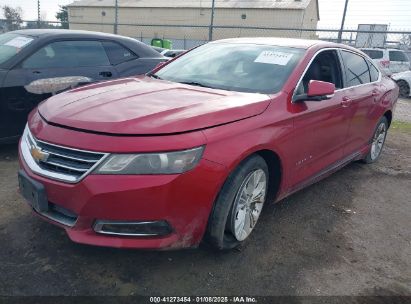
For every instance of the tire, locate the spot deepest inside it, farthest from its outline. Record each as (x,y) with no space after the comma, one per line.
(404,88)
(377,141)
(227,212)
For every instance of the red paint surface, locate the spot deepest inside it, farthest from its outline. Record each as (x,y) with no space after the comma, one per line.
(308,137)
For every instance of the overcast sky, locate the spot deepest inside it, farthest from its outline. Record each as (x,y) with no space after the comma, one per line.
(396,13)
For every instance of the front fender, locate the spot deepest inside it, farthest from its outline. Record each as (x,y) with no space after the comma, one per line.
(230,144)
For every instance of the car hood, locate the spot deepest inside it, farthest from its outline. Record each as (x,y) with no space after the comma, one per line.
(143,105)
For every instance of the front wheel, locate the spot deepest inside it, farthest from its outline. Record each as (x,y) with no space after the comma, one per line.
(378,141)
(239,204)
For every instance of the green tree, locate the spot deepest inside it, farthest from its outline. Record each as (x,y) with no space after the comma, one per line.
(62,15)
(13,17)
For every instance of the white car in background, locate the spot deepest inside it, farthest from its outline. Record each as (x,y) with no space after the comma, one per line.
(390,61)
(404,82)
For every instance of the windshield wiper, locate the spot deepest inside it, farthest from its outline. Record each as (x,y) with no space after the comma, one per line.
(152,75)
(195,83)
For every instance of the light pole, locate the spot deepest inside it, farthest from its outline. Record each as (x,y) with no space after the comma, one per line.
(115,16)
(342,22)
(38,13)
(210,31)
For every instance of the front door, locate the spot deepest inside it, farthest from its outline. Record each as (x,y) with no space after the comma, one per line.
(320,127)
(45,73)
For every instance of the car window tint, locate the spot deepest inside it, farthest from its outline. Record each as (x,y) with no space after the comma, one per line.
(374,54)
(374,73)
(68,54)
(356,69)
(397,56)
(117,53)
(325,67)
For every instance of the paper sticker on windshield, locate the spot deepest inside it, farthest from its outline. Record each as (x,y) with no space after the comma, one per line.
(272,57)
(19,42)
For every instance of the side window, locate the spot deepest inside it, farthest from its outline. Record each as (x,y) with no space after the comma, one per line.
(374,54)
(356,68)
(325,67)
(68,54)
(374,73)
(117,53)
(398,56)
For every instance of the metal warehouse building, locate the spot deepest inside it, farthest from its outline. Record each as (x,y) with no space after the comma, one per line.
(190,19)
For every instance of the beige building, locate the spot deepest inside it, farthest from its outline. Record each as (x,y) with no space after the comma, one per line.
(190,19)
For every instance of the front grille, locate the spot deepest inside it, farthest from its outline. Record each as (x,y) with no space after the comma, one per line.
(58,162)
(67,161)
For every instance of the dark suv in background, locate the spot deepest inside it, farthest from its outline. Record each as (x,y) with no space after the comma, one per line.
(35,64)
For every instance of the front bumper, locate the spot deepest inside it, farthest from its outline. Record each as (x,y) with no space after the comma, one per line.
(184,201)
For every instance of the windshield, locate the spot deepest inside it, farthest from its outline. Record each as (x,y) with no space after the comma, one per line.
(11,44)
(235,67)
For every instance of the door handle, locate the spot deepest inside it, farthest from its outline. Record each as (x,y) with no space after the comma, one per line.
(345,102)
(106,74)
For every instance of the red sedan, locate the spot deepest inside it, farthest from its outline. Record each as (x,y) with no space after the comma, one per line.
(193,150)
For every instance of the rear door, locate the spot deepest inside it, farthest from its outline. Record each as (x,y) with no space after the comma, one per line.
(399,61)
(39,75)
(362,90)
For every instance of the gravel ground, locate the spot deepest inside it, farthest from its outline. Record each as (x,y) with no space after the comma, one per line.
(349,234)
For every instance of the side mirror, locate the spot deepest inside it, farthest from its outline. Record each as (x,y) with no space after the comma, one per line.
(317,91)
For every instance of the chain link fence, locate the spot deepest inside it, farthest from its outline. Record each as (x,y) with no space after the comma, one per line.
(191,35)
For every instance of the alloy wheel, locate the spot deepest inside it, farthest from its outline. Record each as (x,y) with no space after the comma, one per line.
(248,204)
(378,141)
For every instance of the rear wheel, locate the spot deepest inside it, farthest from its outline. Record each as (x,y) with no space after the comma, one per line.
(378,141)
(404,88)
(239,204)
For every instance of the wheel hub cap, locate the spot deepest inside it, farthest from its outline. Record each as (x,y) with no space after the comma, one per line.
(378,141)
(248,204)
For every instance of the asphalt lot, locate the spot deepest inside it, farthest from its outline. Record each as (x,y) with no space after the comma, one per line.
(349,234)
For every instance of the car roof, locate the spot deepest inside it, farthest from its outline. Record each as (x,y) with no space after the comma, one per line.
(45,35)
(64,33)
(286,42)
(381,49)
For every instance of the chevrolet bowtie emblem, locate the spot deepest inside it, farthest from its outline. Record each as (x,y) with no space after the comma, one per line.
(39,155)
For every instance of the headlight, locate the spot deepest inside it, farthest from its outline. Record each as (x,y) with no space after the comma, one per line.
(151,163)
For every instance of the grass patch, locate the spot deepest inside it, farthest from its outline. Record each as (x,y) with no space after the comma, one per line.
(401,126)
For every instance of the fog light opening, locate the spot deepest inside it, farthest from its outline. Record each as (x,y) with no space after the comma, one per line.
(154,228)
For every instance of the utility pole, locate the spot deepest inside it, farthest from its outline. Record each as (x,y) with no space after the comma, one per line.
(38,13)
(115,16)
(210,31)
(342,22)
